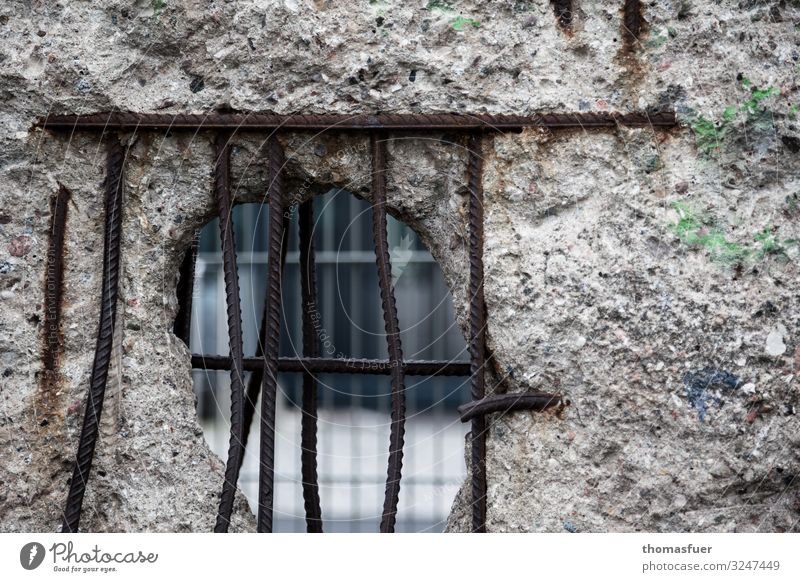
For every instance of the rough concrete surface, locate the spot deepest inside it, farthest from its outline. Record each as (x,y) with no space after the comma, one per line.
(650,276)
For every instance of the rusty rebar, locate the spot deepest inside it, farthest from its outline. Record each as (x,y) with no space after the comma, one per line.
(367,367)
(392,326)
(254,382)
(477,329)
(120,120)
(183,320)
(308,427)
(53,294)
(234,312)
(632,21)
(114,185)
(269,383)
(537,401)
(563,12)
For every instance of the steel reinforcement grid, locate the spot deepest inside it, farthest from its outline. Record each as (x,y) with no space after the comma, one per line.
(266,364)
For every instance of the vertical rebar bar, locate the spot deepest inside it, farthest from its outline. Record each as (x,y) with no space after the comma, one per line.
(53,292)
(308,428)
(234,312)
(254,383)
(477,329)
(114,185)
(563,12)
(632,22)
(392,326)
(269,383)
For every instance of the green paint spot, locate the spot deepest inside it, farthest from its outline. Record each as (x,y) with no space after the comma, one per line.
(729,113)
(710,135)
(656,42)
(701,231)
(698,230)
(447,7)
(757,95)
(459,23)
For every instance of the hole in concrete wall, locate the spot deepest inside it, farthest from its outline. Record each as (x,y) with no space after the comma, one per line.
(354,410)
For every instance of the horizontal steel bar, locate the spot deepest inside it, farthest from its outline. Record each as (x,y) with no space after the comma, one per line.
(323,257)
(365,480)
(537,401)
(338,366)
(120,120)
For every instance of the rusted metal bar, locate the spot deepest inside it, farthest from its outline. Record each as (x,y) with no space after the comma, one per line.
(254,383)
(234,312)
(114,184)
(53,292)
(308,428)
(338,366)
(185,290)
(563,12)
(269,383)
(392,326)
(477,329)
(537,401)
(359,122)
(632,21)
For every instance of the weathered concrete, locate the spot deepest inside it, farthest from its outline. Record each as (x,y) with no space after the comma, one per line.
(651,277)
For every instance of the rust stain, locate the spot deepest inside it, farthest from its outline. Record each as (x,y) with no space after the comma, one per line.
(563,12)
(632,22)
(52,340)
(632,30)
